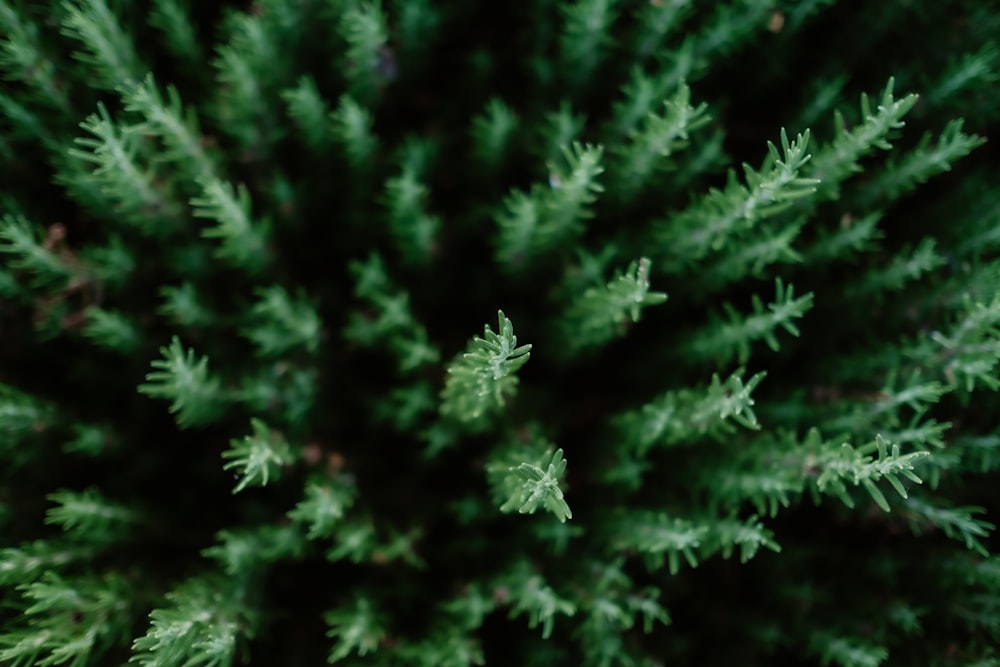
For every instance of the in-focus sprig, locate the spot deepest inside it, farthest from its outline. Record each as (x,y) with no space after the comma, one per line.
(527,478)
(483,378)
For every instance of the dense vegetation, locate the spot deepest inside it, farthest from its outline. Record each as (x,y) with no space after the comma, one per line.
(438,334)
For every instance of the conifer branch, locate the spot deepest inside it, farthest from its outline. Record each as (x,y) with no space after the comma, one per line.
(851,237)
(393,324)
(638,100)
(445,646)
(528,485)
(49,269)
(601,313)
(310,112)
(23,58)
(711,223)
(483,378)
(114,152)
(536,223)
(907,266)
(725,339)
(532,596)
(68,621)
(415,230)
(687,414)
(323,506)
(968,352)
(978,68)
(914,393)
(243,241)
(860,468)
(492,133)
(955,522)
(352,126)
(204,624)
(108,50)
(560,128)
(926,160)
(88,516)
(835,162)
(399,140)
(406,406)
(354,540)
(182,305)
(749,535)
(768,478)
(258,457)
(242,553)
(730,25)
(357,628)
(418,25)
(767,246)
(611,608)
(25,122)
(655,21)
(284,389)
(168,120)
(31,561)
(245,67)
(280,323)
(197,398)
(661,539)
(173,20)
(652,144)
(585,37)
(843,651)
(363,27)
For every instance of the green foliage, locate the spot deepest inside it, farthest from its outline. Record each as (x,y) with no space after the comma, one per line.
(679,415)
(67,623)
(112,330)
(356,628)
(287,214)
(531,596)
(352,126)
(197,398)
(481,379)
(323,507)
(537,223)
(600,313)
(722,340)
(717,218)
(107,49)
(242,241)
(258,457)
(89,516)
(861,468)
(363,27)
(36,256)
(530,485)
(656,139)
(201,626)
(281,324)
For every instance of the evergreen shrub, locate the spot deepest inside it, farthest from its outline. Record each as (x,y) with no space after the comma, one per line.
(436,334)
